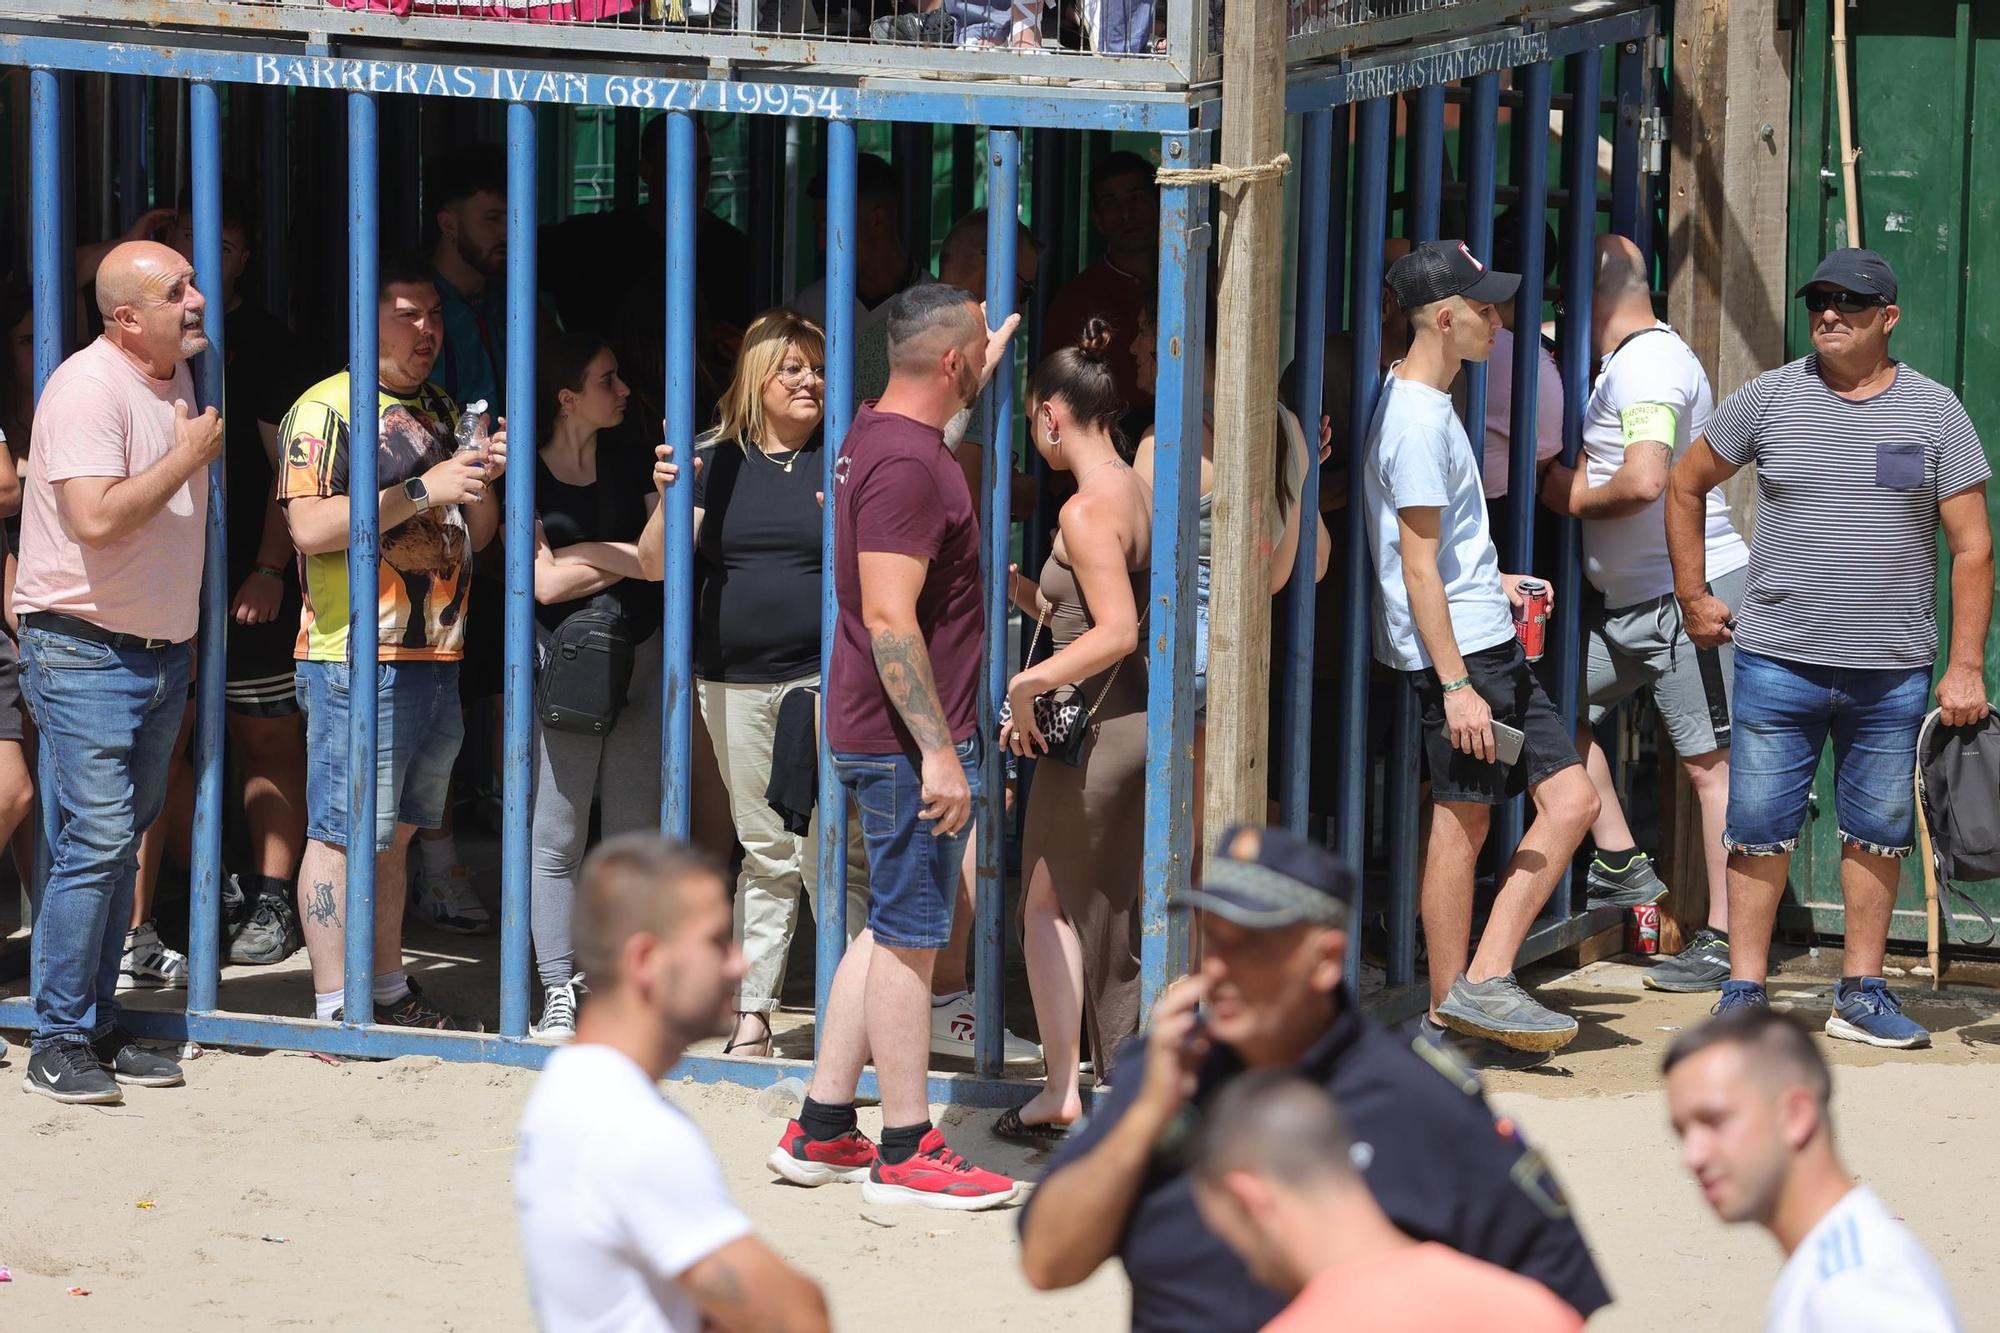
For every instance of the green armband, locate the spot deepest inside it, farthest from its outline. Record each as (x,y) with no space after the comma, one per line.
(1648,421)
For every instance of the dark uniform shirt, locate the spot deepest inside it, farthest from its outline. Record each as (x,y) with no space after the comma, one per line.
(1441,1165)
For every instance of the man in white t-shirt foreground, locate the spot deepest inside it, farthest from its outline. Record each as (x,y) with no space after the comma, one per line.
(1748,1092)
(1444,619)
(625,1222)
(1652,399)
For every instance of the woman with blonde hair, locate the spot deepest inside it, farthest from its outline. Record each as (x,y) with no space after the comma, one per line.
(757,638)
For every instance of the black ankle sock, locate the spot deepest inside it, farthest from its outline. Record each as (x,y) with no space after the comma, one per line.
(256,885)
(900,1142)
(1851,983)
(1619,861)
(823,1122)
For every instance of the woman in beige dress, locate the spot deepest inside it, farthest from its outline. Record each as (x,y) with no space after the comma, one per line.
(1081,862)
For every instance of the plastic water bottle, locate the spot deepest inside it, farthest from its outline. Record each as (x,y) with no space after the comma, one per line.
(468,434)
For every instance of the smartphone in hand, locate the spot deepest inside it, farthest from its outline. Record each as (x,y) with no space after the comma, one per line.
(1507,743)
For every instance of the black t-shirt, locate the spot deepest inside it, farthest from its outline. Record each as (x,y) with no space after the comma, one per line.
(760,548)
(263,371)
(613,509)
(1438,1161)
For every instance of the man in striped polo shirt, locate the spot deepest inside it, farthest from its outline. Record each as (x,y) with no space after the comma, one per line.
(1860,459)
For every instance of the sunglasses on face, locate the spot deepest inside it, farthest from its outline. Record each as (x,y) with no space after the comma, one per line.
(1847,303)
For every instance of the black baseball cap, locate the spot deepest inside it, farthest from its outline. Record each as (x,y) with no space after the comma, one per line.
(1862,272)
(1439,269)
(1269,878)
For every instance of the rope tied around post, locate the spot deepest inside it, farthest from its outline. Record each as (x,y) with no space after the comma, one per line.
(1275,169)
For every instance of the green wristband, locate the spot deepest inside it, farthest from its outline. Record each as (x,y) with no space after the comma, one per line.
(1463,682)
(271,570)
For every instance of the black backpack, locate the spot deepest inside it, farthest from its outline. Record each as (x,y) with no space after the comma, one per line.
(1958,781)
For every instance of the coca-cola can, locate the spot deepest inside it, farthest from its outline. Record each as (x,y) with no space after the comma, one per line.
(1531,617)
(1642,929)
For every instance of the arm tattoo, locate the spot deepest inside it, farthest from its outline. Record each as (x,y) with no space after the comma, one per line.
(714,1283)
(323,907)
(904,665)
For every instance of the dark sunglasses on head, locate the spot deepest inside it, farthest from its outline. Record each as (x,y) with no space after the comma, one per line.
(1847,303)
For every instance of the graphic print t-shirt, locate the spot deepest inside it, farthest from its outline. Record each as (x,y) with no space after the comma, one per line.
(425,565)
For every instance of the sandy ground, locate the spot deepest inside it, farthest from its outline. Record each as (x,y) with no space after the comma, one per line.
(275,1191)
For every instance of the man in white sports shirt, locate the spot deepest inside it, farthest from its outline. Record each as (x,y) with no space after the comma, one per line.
(625,1222)
(1651,400)
(1748,1092)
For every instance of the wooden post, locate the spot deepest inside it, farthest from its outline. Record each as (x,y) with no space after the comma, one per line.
(1727,288)
(1246,401)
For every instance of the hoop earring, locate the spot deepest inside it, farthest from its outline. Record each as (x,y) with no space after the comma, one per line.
(1055,440)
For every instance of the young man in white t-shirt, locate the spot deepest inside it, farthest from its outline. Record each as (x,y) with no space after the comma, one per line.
(625,1221)
(1651,400)
(1748,1092)
(1444,619)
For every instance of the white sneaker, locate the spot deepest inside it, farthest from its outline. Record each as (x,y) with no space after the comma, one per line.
(559,1011)
(447,900)
(148,964)
(952,1027)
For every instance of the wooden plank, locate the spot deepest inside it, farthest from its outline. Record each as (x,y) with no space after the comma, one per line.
(1246,382)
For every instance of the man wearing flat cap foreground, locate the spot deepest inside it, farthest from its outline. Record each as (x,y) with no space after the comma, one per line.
(1274,915)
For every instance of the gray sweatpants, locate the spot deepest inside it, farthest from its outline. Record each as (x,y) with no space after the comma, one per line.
(623,767)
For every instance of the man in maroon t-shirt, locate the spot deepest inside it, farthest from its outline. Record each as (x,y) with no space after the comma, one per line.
(1125,211)
(902,718)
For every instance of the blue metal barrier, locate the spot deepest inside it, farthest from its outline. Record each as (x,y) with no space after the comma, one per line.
(1329,188)
(205,879)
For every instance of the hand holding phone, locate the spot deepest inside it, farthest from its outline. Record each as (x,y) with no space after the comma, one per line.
(1507,742)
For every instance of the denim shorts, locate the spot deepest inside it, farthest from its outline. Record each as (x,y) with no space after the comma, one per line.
(418,729)
(912,871)
(1784,714)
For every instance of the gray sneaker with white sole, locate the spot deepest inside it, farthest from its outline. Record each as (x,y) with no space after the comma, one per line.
(1633,885)
(1499,1010)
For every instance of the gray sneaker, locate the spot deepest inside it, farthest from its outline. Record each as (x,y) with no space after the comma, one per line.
(271,935)
(1702,964)
(1499,1010)
(1634,886)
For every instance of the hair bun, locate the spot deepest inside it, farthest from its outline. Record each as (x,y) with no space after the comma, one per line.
(1095,340)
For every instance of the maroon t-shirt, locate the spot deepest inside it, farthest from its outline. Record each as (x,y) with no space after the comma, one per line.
(898,490)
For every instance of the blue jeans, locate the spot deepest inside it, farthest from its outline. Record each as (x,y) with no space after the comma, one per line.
(912,870)
(419,725)
(108,718)
(1783,715)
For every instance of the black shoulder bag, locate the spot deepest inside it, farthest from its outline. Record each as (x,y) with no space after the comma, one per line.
(587,660)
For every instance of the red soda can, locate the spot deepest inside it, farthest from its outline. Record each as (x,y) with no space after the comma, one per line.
(1642,929)
(1531,617)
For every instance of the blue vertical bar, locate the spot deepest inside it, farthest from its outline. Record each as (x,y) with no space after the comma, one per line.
(1579,242)
(1478,133)
(1308,354)
(677,642)
(364,541)
(1336,221)
(1373,124)
(1531,175)
(1003,240)
(1374,164)
(830,912)
(1626,199)
(47,179)
(205,880)
(518,727)
(1426,162)
(1182,321)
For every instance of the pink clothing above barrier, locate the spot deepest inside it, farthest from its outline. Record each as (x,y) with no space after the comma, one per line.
(553,11)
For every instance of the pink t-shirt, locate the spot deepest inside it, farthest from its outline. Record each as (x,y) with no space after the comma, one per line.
(1425,1288)
(101,416)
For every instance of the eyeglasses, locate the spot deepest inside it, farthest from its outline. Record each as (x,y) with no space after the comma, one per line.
(1847,303)
(795,374)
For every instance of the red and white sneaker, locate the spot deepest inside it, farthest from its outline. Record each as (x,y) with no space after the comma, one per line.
(937,1177)
(805,1160)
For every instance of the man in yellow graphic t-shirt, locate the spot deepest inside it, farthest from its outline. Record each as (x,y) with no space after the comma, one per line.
(432,518)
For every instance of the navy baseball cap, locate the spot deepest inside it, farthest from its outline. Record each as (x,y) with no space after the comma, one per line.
(1862,272)
(1269,878)
(1436,270)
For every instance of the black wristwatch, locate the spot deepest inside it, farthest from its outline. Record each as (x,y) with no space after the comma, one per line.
(417,495)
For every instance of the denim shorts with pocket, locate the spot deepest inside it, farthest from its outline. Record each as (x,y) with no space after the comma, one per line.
(419,726)
(1784,714)
(912,871)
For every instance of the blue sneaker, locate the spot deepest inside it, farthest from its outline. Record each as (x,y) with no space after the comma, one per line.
(1871,1013)
(1736,994)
